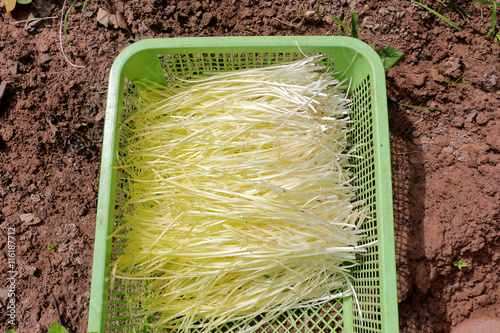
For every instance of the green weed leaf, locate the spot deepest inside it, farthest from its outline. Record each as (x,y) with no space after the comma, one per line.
(11,331)
(342,24)
(459,264)
(438,15)
(488,2)
(55,328)
(24,2)
(419,107)
(390,56)
(354,24)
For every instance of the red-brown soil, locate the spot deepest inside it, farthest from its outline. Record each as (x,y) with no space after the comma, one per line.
(446,161)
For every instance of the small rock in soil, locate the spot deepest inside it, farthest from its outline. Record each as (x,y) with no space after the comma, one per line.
(493,80)
(418,79)
(452,65)
(7,132)
(43,46)
(442,141)
(447,150)
(435,75)
(29,219)
(4,294)
(3,85)
(88,13)
(30,270)
(13,68)
(470,117)
(44,58)
(482,118)
(457,122)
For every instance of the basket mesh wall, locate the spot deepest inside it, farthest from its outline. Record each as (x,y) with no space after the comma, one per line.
(329,317)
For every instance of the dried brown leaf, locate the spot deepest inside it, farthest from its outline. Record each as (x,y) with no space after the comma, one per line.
(112,20)
(103,17)
(121,22)
(9,5)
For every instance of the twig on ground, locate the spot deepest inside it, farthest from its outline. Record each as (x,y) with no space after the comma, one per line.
(34,19)
(57,310)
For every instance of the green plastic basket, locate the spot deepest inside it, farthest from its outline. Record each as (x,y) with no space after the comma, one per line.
(165,60)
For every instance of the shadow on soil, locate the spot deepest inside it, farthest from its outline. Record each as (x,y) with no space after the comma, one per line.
(408,180)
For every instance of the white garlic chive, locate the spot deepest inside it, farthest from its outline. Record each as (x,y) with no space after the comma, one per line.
(365,8)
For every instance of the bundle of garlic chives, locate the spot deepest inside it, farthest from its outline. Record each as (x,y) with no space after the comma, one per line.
(240,199)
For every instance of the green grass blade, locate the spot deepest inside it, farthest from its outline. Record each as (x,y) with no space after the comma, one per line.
(439,15)
(419,107)
(342,24)
(488,2)
(318,10)
(354,24)
(457,83)
(66,26)
(494,17)
(492,31)
(81,14)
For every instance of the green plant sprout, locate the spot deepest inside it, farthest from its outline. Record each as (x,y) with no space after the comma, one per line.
(460,264)
(389,55)
(55,328)
(419,107)
(50,247)
(456,82)
(438,15)
(492,32)
(352,29)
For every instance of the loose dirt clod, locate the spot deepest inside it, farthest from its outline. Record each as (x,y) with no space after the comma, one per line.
(29,219)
